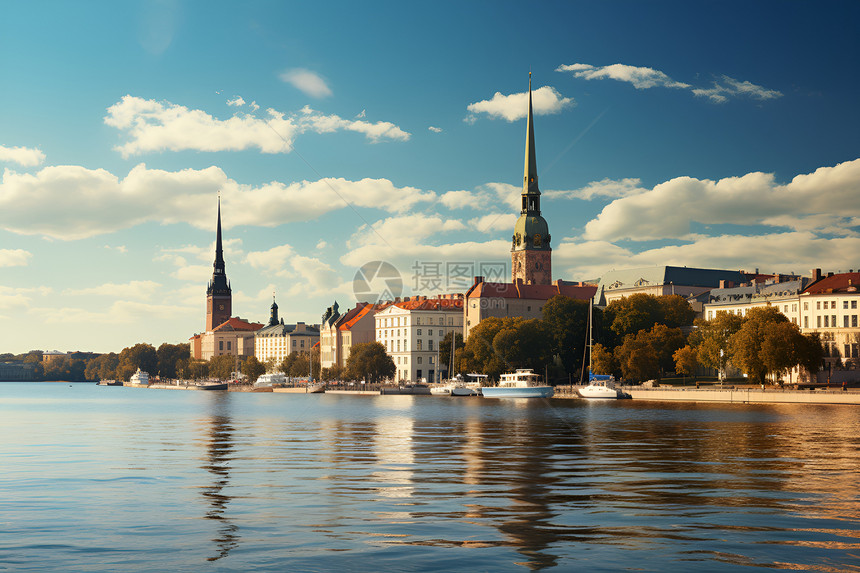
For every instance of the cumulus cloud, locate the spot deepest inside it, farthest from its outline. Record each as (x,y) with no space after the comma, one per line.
(597,189)
(153,126)
(727,87)
(483,197)
(645,78)
(435,129)
(774,252)
(14,257)
(406,228)
(23,156)
(669,209)
(19,297)
(546,100)
(308,82)
(236,101)
(640,77)
(494,222)
(71,202)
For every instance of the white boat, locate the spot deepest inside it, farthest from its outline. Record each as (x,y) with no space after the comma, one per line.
(440,389)
(140,377)
(270,380)
(523,383)
(601,387)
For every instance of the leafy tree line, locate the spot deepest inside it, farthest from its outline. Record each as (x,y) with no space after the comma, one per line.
(638,338)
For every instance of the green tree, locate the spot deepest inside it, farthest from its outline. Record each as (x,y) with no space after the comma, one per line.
(811,353)
(171,355)
(253,368)
(686,361)
(566,321)
(445,351)
(746,344)
(141,356)
(603,360)
(710,339)
(198,369)
(637,357)
(221,367)
(631,314)
(370,362)
(331,373)
(479,355)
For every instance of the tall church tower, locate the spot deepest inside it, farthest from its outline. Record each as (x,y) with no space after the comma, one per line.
(219,296)
(531,255)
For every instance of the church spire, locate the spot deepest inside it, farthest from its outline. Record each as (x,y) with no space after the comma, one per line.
(531,192)
(219,250)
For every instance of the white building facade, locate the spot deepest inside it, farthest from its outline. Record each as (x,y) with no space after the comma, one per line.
(412,331)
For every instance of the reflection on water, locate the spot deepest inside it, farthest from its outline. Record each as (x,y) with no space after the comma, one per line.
(325,482)
(219,450)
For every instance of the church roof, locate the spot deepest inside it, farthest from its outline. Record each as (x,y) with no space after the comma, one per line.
(532,292)
(839,283)
(237,324)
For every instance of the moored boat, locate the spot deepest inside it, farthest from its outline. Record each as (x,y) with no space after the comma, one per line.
(270,380)
(601,387)
(523,383)
(139,377)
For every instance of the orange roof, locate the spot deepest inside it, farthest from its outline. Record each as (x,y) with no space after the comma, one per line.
(431,304)
(843,282)
(532,292)
(235,323)
(353,316)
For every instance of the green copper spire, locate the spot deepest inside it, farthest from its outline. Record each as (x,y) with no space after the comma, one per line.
(530,177)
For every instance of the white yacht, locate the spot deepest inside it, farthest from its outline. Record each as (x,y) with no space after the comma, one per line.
(601,387)
(140,377)
(270,380)
(523,383)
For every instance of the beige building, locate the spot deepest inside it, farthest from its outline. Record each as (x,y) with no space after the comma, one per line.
(666,280)
(340,332)
(277,340)
(783,295)
(234,337)
(411,331)
(503,300)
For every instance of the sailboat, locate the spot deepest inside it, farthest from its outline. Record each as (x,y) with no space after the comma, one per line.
(600,386)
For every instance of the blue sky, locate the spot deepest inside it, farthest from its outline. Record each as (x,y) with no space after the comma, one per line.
(714,134)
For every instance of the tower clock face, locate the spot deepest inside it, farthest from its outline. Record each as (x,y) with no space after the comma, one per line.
(220,307)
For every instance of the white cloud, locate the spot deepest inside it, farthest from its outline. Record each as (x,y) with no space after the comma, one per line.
(639,77)
(71,202)
(236,101)
(119,248)
(153,126)
(545,100)
(435,129)
(776,252)
(603,188)
(406,228)
(494,222)
(273,260)
(23,156)
(132,289)
(14,257)
(667,210)
(18,297)
(484,196)
(306,81)
(120,312)
(728,87)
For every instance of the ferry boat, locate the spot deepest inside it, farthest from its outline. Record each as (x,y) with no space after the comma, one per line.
(140,377)
(270,380)
(523,383)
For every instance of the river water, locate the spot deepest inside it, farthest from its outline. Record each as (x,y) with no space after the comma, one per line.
(106,479)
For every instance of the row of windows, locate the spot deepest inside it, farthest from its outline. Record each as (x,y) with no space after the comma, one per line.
(825,304)
(427,321)
(829,321)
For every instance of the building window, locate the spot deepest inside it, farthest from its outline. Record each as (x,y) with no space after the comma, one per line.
(419,332)
(853,304)
(805,306)
(418,374)
(418,342)
(805,322)
(432,360)
(220,345)
(398,346)
(228,345)
(818,321)
(844,304)
(826,321)
(441,321)
(845,321)
(419,361)
(853,321)
(430,344)
(818,305)
(833,320)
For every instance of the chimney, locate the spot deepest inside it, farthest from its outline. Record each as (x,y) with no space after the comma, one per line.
(816,275)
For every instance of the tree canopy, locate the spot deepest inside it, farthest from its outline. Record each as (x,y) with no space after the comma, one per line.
(370,362)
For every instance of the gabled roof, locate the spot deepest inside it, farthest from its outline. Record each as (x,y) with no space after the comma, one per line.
(532,292)
(431,304)
(354,315)
(235,323)
(756,292)
(839,283)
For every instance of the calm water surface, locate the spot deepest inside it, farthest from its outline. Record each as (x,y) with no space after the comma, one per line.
(103,479)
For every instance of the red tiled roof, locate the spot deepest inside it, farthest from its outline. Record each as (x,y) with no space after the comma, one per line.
(532,292)
(843,282)
(431,304)
(354,315)
(238,324)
